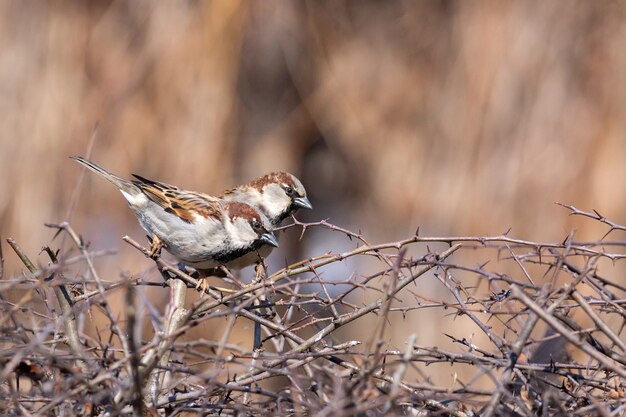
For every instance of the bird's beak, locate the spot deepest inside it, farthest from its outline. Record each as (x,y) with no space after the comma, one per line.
(302,202)
(269,239)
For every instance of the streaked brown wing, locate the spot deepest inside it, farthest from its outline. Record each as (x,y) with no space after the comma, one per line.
(184,204)
(229,191)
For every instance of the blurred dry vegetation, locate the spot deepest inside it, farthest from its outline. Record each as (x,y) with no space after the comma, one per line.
(460,118)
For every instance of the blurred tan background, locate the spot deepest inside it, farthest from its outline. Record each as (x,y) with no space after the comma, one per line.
(462,118)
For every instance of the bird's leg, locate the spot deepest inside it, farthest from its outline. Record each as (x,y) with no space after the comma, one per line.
(203,281)
(155,246)
(260,272)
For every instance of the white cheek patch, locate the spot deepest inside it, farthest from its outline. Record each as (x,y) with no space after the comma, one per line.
(241,233)
(275,200)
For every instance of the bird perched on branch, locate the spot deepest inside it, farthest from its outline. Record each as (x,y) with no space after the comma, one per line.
(200,230)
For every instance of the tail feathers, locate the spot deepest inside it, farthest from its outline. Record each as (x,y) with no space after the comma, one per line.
(124,185)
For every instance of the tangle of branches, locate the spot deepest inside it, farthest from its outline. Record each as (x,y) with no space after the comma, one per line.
(303,363)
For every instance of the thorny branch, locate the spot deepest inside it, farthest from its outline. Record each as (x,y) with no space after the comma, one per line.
(316,357)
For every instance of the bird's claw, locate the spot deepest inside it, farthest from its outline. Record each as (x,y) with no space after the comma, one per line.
(202,284)
(260,273)
(155,247)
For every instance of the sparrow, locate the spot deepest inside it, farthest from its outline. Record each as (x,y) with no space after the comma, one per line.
(200,230)
(278,195)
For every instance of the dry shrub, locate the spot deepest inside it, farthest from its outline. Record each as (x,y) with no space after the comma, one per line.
(302,363)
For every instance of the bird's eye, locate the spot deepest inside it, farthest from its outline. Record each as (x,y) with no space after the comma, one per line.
(256,224)
(288,190)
